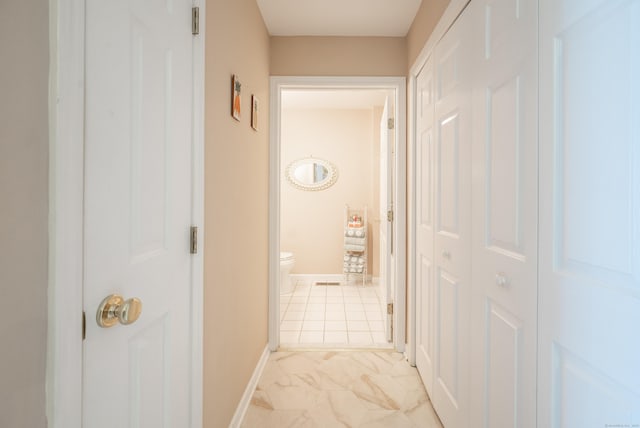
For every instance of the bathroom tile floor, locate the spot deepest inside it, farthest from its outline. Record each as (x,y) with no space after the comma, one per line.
(327,389)
(348,316)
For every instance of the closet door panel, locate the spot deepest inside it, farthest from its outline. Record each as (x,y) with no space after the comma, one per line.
(590,214)
(452,262)
(425,225)
(505,205)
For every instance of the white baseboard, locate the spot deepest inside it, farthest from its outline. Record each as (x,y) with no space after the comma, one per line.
(243,405)
(319,277)
(332,277)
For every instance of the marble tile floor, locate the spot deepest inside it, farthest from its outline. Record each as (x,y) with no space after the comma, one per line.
(326,389)
(347,315)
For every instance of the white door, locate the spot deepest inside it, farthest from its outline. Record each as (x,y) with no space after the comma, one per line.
(589,338)
(386,223)
(425,358)
(138,166)
(452,251)
(505,220)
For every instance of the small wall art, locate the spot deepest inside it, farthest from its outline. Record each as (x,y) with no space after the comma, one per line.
(236,88)
(254,112)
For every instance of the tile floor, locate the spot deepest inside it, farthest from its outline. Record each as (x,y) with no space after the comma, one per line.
(324,389)
(332,315)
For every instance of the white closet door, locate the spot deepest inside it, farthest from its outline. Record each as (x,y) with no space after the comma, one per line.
(424,224)
(452,257)
(505,220)
(589,359)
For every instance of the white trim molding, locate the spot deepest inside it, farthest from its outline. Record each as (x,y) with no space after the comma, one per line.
(66,187)
(245,401)
(449,16)
(398,84)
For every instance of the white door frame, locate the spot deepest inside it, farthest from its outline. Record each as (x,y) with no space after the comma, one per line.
(400,225)
(66,201)
(449,16)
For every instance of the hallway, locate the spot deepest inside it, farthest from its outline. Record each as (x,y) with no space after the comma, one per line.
(340,389)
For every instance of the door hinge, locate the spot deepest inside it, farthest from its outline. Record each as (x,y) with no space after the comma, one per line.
(195,20)
(389,308)
(390,215)
(84,325)
(391,123)
(193,245)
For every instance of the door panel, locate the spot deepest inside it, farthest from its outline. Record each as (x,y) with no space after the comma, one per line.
(590,214)
(425,306)
(452,237)
(505,221)
(138,160)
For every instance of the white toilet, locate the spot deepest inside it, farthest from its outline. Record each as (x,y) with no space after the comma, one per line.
(286,264)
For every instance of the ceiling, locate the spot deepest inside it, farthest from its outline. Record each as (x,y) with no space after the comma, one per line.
(388,18)
(333,98)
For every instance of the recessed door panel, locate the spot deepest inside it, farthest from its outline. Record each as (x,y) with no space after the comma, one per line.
(598,174)
(499,18)
(504,363)
(503,148)
(149,138)
(448,173)
(424,153)
(149,380)
(583,396)
(447,329)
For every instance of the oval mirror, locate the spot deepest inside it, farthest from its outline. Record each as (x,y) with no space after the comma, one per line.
(311,174)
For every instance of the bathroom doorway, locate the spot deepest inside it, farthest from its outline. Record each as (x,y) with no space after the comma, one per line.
(337,237)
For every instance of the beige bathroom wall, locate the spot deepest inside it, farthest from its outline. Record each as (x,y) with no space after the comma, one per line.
(312,221)
(24,153)
(236,206)
(425,21)
(338,56)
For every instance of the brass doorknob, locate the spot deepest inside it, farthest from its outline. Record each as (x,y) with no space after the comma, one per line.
(114,309)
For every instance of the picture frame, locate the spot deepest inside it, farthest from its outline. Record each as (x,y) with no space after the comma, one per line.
(236,90)
(255,104)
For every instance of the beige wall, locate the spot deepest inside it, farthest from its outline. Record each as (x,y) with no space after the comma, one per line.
(338,56)
(312,221)
(425,21)
(236,206)
(24,152)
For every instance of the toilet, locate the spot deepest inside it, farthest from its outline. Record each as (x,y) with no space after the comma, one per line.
(286,264)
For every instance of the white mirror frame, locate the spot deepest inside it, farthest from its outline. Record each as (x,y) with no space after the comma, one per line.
(331,179)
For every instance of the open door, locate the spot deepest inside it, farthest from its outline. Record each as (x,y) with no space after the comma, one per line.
(139,157)
(386,216)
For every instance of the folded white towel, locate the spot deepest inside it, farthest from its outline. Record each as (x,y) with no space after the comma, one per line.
(346,258)
(354,231)
(355,241)
(355,248)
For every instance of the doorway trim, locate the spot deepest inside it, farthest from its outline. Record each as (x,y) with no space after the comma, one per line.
(400,225)
(66,215)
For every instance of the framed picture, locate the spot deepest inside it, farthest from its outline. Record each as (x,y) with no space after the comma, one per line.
(236,88)
(254,112)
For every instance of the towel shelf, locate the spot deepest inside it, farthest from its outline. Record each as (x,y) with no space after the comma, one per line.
(355,243)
